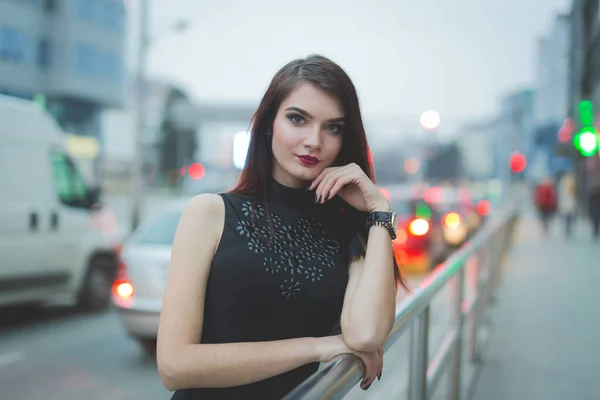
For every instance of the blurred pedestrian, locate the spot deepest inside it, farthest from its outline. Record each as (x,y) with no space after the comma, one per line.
(594,200)
(545,202)
(567,201)
(264,276)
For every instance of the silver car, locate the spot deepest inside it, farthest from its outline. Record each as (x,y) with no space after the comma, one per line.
(142,275)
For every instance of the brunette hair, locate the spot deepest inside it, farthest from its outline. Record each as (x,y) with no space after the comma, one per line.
(332,79)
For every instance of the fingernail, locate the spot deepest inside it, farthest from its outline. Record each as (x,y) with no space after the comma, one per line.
(316,198)
(379,376)
(319,199)
(368,386)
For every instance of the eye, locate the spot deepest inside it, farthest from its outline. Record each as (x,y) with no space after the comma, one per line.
(334,128)
(297,119)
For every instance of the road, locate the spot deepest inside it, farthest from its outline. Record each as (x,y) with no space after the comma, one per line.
(56,354)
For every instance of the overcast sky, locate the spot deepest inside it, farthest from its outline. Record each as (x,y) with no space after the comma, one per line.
(405,56)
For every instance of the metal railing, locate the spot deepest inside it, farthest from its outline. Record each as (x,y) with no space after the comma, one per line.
(488,247)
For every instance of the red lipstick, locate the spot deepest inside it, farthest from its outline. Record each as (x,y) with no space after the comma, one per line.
(308,160)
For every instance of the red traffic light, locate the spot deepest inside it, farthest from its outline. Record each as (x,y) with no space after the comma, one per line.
(196,171)
(483,207)
(517,162)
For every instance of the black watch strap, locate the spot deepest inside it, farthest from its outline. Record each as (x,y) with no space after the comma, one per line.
(382,218)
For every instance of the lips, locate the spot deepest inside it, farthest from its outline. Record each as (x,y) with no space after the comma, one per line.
(308,160)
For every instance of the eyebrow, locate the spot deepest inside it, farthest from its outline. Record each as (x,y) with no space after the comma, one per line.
(306,113)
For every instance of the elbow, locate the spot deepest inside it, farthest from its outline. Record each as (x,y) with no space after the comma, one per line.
(170,372)
(364,340)
(367,337)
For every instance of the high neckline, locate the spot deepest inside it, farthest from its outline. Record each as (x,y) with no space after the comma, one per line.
(285,195)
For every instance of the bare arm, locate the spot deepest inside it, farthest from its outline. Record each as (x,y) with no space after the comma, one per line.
(370,299)
(182,361)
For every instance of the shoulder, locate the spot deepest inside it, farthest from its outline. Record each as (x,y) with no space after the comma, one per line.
(203,212)
(204,205)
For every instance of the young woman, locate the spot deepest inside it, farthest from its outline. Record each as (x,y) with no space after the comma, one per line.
(264,278)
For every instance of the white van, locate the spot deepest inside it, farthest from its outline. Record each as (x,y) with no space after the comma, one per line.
(55,245)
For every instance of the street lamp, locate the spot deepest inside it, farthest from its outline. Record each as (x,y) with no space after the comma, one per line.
(430,119)
(145,41)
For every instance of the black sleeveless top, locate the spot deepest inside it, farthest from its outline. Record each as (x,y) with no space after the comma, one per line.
(280,272)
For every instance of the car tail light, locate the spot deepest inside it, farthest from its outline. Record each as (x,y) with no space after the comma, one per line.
(123,289)
(452,220)
(418,227)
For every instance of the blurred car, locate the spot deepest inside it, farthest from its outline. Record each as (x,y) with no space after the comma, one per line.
(455,229)
(469,217)
(142,274)
(419,243)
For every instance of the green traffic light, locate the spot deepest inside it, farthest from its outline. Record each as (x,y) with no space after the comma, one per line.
(422,210)
(586,141)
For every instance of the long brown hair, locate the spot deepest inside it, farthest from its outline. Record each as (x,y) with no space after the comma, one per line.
(332,79)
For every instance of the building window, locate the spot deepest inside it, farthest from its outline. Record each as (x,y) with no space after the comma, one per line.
(95,63)
(108,13)
(44,52)
(17,47)
(83,59)
(9,44)
(85,9)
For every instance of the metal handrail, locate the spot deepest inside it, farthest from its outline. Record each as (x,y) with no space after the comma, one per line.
(337,377)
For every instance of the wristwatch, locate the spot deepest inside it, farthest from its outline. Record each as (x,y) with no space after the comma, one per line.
(387,219)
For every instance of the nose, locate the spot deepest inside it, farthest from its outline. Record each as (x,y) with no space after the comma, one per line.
(313,138)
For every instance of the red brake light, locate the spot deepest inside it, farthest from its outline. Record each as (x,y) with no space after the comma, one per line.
(123,289)
(452,220)
(418,227)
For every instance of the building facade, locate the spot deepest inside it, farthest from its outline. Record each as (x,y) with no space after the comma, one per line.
(552,74)
(584,84)
(552,98)
(69,55)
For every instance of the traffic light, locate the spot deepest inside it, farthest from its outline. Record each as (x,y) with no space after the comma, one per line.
(517,162)
(586,140)
(196,171)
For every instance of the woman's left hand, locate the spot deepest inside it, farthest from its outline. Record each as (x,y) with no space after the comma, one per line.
(352,185)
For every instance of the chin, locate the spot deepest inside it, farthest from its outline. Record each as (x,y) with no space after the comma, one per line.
(304,174)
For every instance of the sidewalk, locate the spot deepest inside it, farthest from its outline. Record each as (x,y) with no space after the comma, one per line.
(545,340)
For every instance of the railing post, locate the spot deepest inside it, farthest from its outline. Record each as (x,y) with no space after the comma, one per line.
(492,268)
(457,320)
(419,357)
(474,317)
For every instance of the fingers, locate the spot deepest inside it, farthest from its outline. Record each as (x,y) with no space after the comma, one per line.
(319,178)
(373,362)
(324,189)
(332,180)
